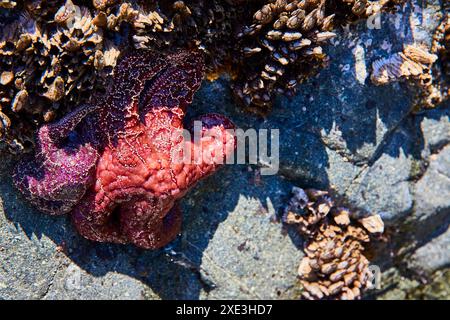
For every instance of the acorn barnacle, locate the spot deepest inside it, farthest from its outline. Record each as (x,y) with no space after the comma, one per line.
(288,37)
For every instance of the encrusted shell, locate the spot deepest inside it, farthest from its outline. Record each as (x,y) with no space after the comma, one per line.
(334,263)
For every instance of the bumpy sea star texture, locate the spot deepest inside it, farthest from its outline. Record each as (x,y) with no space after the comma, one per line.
(286,42)
(119,166)
(54,53)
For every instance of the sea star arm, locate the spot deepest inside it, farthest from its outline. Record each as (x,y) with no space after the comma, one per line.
(211,143)
(121,110)
(140,176)
(176,85)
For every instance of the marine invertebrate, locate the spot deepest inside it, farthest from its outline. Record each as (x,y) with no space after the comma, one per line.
(444,48)
(116,169)
(49,57)
(56,177)
(415,63)
(335,266)
(441,47)
(7,4)
(281,48)
(285,45)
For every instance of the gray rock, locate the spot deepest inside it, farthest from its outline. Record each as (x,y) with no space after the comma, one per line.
(434,183)
(239,259)
(72,282)
(435,128)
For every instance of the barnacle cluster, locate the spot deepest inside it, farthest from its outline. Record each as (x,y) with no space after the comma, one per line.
(55,53)
(441,47)
(208,25)
(415,63)
(334,266)
(445,49)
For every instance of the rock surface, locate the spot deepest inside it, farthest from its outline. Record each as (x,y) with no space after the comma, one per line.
(340,131)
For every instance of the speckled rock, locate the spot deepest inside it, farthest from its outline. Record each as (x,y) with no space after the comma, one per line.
(339,132)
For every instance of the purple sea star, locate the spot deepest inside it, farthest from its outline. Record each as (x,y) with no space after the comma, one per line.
(112,165)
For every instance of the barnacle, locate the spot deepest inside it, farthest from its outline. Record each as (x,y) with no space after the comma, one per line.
(8,4)
(285,45)
(334,266)
(444,50)
(280,49)
(441,47)
(413,62)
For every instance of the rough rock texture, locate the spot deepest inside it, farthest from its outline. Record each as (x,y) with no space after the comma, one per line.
(121,174)
(340,131)
(335,265)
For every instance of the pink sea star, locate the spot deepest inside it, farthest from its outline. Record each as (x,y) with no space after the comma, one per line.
(112,165)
